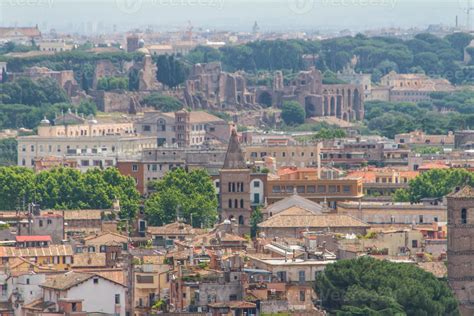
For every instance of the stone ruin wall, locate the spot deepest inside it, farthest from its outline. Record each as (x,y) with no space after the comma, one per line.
(208,87)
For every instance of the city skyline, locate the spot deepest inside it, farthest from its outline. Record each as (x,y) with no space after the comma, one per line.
(84,16)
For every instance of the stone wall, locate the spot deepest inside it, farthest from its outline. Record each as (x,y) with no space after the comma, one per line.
(273,306)
(209,87)
(118,100)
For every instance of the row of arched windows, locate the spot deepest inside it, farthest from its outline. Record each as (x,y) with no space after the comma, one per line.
(236,203)
(236,187)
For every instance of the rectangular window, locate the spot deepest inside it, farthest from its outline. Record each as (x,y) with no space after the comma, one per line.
(117,299)
(302,296)
(146,128)
(256,184)
(420,219)
(276,189)
(321,188)
(302,276)
(332,189)
(300,189)
(134,168)
(256,198)
(346,188)
(310,189)
(414,243)
(282,276)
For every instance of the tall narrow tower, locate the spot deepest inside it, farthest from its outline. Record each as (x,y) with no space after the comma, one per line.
(461,247)
(235,186)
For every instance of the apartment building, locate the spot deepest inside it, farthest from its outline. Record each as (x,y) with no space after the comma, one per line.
(86,141)
(184,128)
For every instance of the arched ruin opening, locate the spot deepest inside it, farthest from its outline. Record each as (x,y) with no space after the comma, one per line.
(265,99)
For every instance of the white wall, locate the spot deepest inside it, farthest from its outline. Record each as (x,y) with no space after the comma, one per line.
(258,190)
(99,297)
(27,286)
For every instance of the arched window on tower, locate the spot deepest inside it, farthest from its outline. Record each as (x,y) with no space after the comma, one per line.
(230,187)
(464,216)
(241,203)
(230,203)
(236,203)
(241,220)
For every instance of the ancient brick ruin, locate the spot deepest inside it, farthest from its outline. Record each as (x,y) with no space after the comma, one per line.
(208,87)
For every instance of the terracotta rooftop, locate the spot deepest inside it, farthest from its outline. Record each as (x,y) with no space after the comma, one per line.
(465,192)
(52,250)
(233,305)
(32,238)
(234,158)
(107,238)
(89,259)
(291,170)
(66,281)
(433,165)
(294,200)
(298,217)
(19,31)
(175,228)
(78,214)
(203,117)
(70,279)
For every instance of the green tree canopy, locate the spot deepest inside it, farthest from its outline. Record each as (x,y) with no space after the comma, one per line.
(29,92)
(8,152)
(112,83)
(162,102)
(171,71)
(434,183)
(67,188)
(367,286)
(189,195)
(292,113)
(255,218)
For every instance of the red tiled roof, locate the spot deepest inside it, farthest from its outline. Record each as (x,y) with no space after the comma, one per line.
(433,165)
(32,238)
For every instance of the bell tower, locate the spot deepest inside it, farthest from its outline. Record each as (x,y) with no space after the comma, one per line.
(235,186)
(461,247)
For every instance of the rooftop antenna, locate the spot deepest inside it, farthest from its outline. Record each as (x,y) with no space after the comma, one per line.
(468,15)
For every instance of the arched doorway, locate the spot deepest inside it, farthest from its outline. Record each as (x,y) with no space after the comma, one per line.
(333,106)
(326,106)
(339,106)
(265,99)
(310,109)
(356,104)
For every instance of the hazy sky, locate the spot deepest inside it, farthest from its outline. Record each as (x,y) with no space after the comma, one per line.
(279,15)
